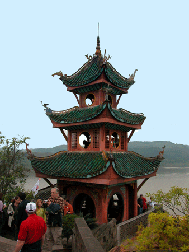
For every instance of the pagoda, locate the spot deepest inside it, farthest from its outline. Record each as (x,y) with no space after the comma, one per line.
(97,173)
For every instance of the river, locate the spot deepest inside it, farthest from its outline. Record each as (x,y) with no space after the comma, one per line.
(165,179)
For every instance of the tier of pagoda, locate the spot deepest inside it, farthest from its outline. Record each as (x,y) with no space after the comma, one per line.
(97,173)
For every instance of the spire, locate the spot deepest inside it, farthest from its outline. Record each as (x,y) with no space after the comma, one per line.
(98,51)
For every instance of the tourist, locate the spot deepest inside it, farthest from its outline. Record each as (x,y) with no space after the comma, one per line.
(40,211)
(21,215)
(68,209)
(144,205)
(54,223)
(11,212)
(140,204)
(32,231)
(151,203)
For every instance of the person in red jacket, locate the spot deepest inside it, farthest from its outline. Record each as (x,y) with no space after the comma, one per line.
(144,204)
(68,209)
(32,231)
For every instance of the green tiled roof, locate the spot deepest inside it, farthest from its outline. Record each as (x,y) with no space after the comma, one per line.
(131,164)
(116,78)
(77,115)
(71,164)
(84,114)
(90,71)
(91,164)
(126,116)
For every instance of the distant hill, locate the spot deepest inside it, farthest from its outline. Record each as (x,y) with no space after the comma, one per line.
(176,155)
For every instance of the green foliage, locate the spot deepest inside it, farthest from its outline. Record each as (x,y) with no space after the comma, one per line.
(12,194)
(12,168)
(163,232)
(68,225)
(176,200)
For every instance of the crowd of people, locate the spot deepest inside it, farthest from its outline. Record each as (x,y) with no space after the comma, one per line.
(34,223)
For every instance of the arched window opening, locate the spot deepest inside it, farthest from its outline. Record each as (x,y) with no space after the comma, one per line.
(84,204)
(89,99)
(84,140)
(116,208)
(115,140)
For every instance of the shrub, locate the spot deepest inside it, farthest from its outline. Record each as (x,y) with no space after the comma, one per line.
(68,225)
(163,232)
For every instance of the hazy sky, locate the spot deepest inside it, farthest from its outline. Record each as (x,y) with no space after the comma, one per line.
(39,38)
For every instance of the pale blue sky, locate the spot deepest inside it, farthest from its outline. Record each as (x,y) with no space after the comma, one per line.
(39,38)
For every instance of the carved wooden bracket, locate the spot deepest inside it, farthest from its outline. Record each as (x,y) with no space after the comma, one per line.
(144,181)
(48,182)
(76,97)
(132,132)
(118,99)
(63,133)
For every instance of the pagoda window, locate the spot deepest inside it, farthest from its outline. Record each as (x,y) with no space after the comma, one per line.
(115,140)
(74,140)
(84,140)
(89,99)
(96,138)
(110,99)
(122,140)
(107,139)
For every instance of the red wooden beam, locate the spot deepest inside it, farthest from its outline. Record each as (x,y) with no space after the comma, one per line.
(118,99)
(132,132)
(144,181)
(76,97)
(63,133)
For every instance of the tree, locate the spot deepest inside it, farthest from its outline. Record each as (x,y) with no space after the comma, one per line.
(176,200)
(13,171)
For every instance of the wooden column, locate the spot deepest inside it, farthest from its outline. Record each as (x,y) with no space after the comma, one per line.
(126,141)
(125,204)
(127,201)
(69,140)
(135,200)
(102,209)
(102,138)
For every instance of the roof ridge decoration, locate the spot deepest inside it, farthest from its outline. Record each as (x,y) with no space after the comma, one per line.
(98,51)
(93,68)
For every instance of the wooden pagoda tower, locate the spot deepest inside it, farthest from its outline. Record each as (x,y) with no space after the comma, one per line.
(97,172)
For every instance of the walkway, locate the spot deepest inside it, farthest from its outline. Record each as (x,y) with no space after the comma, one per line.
(7,245)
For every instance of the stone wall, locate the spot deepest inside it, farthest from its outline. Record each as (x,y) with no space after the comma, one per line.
(106,234)
(128,229)
(83,239)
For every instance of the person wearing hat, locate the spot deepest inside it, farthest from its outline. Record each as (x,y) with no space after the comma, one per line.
(32,231)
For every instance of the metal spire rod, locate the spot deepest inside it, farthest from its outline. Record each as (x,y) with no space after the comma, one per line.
(98,29)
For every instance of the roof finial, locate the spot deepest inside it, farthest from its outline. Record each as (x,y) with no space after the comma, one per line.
(98,51)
